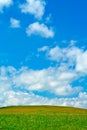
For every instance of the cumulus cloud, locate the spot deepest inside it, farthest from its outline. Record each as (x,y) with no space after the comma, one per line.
(34,7)
(5,3)
(14,23)
(17,87)
(72,55)
(81,64)
(67,53)
(39,29)
(20,85)
(51,79)
(21,98)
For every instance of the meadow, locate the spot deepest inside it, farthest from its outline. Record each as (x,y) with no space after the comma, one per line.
(43,118)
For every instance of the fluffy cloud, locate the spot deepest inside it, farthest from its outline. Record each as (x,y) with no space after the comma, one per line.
(20,98)
(4,3)
(34,7)
(39,29)
(72,55)
(51,79)
(82,62)
(64,54)
(21,85)
(17,87)
(14,23)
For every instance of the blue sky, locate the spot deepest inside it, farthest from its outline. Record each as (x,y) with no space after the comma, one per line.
(43,52)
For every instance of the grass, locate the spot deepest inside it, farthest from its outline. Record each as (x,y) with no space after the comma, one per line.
(43,118)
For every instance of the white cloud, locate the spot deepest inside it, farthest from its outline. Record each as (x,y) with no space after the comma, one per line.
(58,53)
(5,3)
(16,87)
(42,49)
(40,29)
(14,23)
(82,62)
(21,98)
(19,85)
(51,80)
(72,55)
(34,7)
(81,101)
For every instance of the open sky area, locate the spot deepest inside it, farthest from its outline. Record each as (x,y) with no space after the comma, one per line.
(43,52)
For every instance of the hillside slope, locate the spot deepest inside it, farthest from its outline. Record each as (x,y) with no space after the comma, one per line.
(47,109)
(43,118)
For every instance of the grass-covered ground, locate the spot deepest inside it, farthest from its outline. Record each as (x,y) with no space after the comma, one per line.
(43,118)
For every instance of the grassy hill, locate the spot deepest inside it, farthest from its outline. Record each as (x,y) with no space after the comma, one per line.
(43,118)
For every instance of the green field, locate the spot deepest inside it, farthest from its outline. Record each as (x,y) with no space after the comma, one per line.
(43,118)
